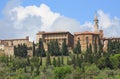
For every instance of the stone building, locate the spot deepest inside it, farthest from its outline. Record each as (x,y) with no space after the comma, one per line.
(52,36)
(8,45)
(14,42)
(105,41)
(88,37)
(9,50)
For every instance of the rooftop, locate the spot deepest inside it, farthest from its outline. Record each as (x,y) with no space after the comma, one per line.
(86,33)
(58,32)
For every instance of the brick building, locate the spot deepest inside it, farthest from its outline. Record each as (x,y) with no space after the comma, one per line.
(88,37)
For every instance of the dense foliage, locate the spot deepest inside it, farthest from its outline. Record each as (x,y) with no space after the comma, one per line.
(91,64)
(20,50)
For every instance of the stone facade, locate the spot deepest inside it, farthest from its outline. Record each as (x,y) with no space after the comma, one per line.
(86,38)
(8,45)
(59,36)
(9,50)
(15,42)
(105,41)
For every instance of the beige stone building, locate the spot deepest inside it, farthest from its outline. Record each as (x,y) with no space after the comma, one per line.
(8,45)
(59,36)
(15,42)
(88,37)
(105,41)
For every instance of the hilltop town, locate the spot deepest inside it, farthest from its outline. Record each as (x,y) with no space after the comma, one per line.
(87,37)
(61,55)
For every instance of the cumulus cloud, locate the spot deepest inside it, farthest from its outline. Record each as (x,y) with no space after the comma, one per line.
(110,25)
(22,21)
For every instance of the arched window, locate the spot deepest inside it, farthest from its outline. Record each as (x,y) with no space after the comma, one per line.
(78,38)
(87,40)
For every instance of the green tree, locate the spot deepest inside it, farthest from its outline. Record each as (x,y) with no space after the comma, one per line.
(54,62)
(41,50)
(58,62)
(54,45)
(60,72)
(57,48)
(95,45)
(40,63)
(20,50)
(33,49)
(48,60)
(77,48)
(74,61)
(62,59)
(64,48)
(90,54)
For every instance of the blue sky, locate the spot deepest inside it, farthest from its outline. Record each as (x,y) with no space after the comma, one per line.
(79,12)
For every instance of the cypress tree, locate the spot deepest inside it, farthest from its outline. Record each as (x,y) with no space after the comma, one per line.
(95,46)
(54,62)
(79,62)
(24,50)
(68,61)
(62,60)
(74,61)
(64,48)
(78,47)
(57,48)
(48,60)
(33,49)
(41,50)
(40,61)
(90,58)
(100,47)
(58,62)
(28,60)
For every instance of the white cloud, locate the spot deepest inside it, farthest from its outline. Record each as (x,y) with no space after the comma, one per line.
(22,21)
(110,25)
(43,12)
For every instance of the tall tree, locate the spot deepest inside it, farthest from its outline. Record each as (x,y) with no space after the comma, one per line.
(20,50)
(33,49)
(57,48)
(41,50)
(62,60)
(48,60)
(78,47)
(54,45)
(95,45)
(59,62)
(64,48)
(54,62)
(90,54)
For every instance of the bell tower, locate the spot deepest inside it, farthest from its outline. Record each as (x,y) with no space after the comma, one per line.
(96,27)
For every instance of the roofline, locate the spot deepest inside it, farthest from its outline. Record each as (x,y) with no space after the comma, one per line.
(15,39)
(57,32)
(86,33)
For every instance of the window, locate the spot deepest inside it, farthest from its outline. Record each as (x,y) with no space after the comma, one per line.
(87,40)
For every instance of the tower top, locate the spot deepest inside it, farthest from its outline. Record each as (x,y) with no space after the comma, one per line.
(95,17)
(96,27)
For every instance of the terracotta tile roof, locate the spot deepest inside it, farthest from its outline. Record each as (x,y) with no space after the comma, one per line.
(14,39)
(86,33)
(58,32)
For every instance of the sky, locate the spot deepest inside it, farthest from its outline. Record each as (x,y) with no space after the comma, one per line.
(21,18)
